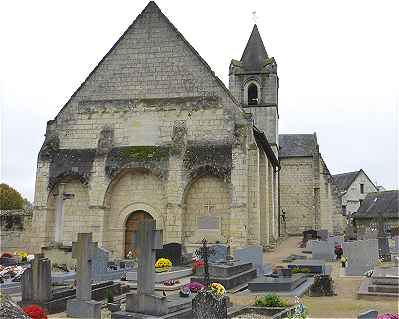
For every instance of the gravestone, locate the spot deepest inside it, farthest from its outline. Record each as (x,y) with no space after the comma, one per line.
(309,234)
(322,234)
(369,314)
(324,250)
(172,251)
(253,254)
(36,281)
(208,306)
(82,306)
(370,233)
(144,301)
(99,263)
(337,240)
(362,256)
(396,244)
(219,253)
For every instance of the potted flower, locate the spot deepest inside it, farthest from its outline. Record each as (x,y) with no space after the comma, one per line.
(343,261)
(197,264)
(195,286)
(162,265)
(111,304)
(217,289)
(35,312)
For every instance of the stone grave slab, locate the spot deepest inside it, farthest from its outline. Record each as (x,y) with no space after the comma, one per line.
(276,284)
(315,266)
(219,253)
(322,234)
(369,314)
(172,251)
(252,254)
(229,274)
(362,256)
(324,250)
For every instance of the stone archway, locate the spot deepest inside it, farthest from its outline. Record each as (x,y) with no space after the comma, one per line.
(131,226)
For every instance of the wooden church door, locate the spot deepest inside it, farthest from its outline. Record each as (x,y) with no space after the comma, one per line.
(132,225)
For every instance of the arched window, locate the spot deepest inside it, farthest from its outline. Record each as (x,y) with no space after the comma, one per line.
(253,98)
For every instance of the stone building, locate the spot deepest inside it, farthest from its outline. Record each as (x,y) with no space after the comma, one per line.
(153,133)
(308,195)
(353,188)
(374,205)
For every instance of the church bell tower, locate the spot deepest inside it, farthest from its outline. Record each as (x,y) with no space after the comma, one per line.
(253,81)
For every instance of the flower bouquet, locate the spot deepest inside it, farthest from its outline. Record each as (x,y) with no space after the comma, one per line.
(35,312)
(217,289)
(162,265)
(194,286)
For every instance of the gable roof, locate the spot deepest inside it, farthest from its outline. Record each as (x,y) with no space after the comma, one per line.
(297,145)
(344,180)
(254,54)
(146,29)
(385,203)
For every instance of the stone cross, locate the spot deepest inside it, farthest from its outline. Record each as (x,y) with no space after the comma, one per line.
(83,251)
(149,239)
(209,207)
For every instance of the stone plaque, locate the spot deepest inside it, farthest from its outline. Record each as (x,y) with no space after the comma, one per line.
(208,222)
(253,254)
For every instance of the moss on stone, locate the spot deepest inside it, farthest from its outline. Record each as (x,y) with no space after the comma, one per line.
(144,153)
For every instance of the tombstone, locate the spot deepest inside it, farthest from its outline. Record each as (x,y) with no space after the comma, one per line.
(369,314)
(144,301)
(370,233)
(309,234)
(362,256)
(36,281)
(322,234)
(337,240)
(219,253)
(82,306)
(324,250)
(253,254)
(99,263)
(396,245)
(172,251)
(207,306)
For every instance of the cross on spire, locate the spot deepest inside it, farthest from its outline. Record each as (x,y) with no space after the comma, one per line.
(254,17)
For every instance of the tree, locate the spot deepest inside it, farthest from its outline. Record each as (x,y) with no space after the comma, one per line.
(10,198)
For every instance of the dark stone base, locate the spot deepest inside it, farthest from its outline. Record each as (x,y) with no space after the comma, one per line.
(232,281)
(277,284)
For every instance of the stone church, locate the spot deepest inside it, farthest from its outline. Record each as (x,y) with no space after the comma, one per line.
(153,133)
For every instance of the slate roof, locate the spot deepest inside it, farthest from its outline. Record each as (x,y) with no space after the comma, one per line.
(385,203)
(344,180)
(297,145)
(254,54)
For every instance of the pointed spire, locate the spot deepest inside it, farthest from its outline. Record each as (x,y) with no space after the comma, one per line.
(255,53)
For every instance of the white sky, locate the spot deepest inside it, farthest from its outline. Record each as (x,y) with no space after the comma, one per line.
(338,63)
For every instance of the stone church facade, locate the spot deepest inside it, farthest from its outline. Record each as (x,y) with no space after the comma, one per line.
(309,197)
(153,133)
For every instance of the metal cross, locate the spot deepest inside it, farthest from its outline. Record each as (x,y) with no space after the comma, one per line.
(204,252)
(254,17)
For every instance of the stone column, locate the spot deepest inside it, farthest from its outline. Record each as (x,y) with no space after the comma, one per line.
(59,215)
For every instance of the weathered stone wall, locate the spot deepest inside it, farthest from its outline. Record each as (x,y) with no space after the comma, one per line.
(363,223)
(16,238)
(207,190)
(351,199)
(296,193)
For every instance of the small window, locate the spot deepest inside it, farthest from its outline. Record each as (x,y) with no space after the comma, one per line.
(344,210)
(253,98)
(360,202)
(361,188)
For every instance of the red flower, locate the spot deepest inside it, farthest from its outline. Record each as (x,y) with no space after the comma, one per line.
(35,312)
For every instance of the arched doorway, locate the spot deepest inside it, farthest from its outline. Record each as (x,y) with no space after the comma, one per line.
(131,226)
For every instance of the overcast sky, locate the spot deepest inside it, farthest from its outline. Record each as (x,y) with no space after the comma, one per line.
(338,64)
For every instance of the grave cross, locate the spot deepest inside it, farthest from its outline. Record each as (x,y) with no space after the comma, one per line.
(204,252)
(209,207)
(83,252)
(149,239)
